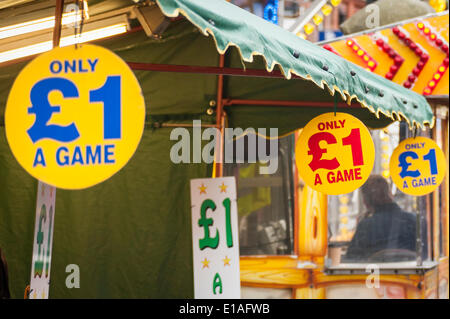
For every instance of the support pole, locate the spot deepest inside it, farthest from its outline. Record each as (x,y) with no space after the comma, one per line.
(220,121)
(58,19)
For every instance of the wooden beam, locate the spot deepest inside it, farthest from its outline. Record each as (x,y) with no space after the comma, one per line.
(220,123)
(58,18)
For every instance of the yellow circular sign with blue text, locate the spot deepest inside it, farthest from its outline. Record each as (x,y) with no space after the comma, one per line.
(417,166)
(75,116)
(335,153)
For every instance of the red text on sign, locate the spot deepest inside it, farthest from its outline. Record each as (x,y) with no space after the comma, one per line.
(331,125)
(345,175)
(316,151)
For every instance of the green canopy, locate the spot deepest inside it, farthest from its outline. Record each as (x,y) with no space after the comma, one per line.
(231,26)
(131,235)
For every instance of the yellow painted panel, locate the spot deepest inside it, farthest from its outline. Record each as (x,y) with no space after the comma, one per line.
(321,279)
(277,271)
(275,277)
(267,262)
(313,227)
(309,293)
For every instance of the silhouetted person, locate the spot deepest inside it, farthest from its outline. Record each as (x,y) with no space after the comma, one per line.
(4,286)
(387,233)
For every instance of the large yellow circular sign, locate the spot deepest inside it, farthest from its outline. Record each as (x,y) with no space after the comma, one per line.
(335,153)
(417,166)
(75,116)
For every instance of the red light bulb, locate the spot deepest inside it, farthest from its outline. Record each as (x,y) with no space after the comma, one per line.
(398,60)
(424,57)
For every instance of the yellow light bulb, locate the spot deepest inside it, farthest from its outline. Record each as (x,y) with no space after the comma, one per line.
(326,9)
(309,28)
(438,5)
(335,3)
(317,19)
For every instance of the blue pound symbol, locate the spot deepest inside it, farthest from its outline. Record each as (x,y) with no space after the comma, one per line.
(43,110)
(403,163)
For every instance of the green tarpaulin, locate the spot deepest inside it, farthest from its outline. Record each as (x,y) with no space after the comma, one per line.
(131,235)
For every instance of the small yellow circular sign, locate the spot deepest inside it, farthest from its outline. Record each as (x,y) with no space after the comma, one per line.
(335,153)
(75,116)
(417,166)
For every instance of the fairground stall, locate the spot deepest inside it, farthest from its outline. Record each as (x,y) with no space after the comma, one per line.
(128,232)
(412,53)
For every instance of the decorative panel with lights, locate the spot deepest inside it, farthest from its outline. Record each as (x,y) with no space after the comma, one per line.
(414,54)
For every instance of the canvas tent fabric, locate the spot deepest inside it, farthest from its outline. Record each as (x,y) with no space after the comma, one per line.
(232,26)
(131,235)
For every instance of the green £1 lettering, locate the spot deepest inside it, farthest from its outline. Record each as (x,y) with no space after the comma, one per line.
(204,222)
(227,204)
(39,263)
(49,248)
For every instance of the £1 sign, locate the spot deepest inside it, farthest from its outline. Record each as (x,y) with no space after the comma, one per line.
(43,242)
(417,166)
(215,238)
(335,153)
(75,116)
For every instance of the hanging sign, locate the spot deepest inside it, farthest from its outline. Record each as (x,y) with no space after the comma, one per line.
(43,242)
(417,166)
(335,153)
(75,116)
(215,238)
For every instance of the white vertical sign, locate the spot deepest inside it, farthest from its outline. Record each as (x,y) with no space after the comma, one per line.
(43,241)
(215,238)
